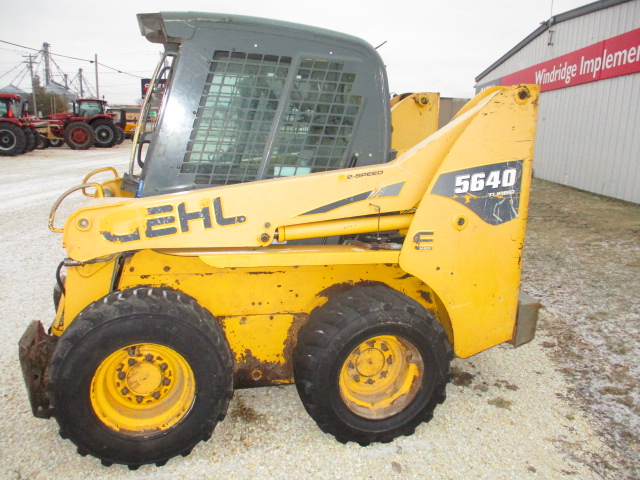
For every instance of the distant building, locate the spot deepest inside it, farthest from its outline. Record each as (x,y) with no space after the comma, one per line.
(587,62)
(15,90)
(53,87)
(448,109)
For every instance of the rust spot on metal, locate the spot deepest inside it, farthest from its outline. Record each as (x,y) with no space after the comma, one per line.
(345,286)
(273,373)
(266,273)
(426,296)
(36,349)
(252,372)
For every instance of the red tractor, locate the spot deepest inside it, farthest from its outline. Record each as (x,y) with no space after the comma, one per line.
(87,125)
(17,134)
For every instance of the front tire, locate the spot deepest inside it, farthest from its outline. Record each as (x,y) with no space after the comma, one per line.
(371,364)
(140,376)
(121,135)
(42,142)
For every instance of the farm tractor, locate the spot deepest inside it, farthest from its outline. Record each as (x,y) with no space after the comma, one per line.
(18,133)
(89,124)
(282,221)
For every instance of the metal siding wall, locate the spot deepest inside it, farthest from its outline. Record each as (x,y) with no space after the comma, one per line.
(448,109)
(589,135)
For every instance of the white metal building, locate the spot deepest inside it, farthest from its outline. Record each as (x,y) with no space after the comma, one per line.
(587,62)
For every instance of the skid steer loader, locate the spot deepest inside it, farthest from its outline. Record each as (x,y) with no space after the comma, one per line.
(282,222)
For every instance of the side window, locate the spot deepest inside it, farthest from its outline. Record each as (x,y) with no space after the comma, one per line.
(234,117)
(319,118)
(248,127)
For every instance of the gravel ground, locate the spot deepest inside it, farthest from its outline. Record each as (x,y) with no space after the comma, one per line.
(582,260)
(548,410)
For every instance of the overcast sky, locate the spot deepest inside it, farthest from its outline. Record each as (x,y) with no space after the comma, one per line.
(432,45)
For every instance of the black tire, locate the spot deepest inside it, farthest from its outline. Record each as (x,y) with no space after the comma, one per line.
(30,141)
(12,139)
(121,135)
(106,133)
(42,142)
(129,322)
(56,142)
(79,135)
(328,359)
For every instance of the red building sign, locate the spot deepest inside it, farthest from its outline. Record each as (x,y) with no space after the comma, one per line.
(607,59)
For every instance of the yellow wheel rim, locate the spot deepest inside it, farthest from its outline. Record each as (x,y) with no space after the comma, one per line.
(381,377)
(142,388)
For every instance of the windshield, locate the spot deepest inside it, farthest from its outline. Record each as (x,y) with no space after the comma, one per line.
(149,112)
(89,108)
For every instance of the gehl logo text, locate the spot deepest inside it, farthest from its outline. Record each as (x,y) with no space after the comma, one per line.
(169,220)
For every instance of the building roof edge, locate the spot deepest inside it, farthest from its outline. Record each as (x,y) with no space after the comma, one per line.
(544,26)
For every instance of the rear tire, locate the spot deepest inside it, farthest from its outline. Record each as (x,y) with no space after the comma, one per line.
(12,139)
(79,135)
(140,376)
(30,141)
(106,133)
(371,364)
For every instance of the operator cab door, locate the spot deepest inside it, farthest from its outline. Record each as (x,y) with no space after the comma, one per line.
(245,104)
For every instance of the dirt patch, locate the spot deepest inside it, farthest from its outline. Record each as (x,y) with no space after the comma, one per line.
(500,402)
(461,378)
(582,261)
(244,413)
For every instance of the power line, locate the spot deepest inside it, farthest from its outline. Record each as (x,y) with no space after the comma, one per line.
(73,58)
(7,73)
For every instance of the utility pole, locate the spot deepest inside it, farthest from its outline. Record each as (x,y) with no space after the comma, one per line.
(97,87)
(33,87)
